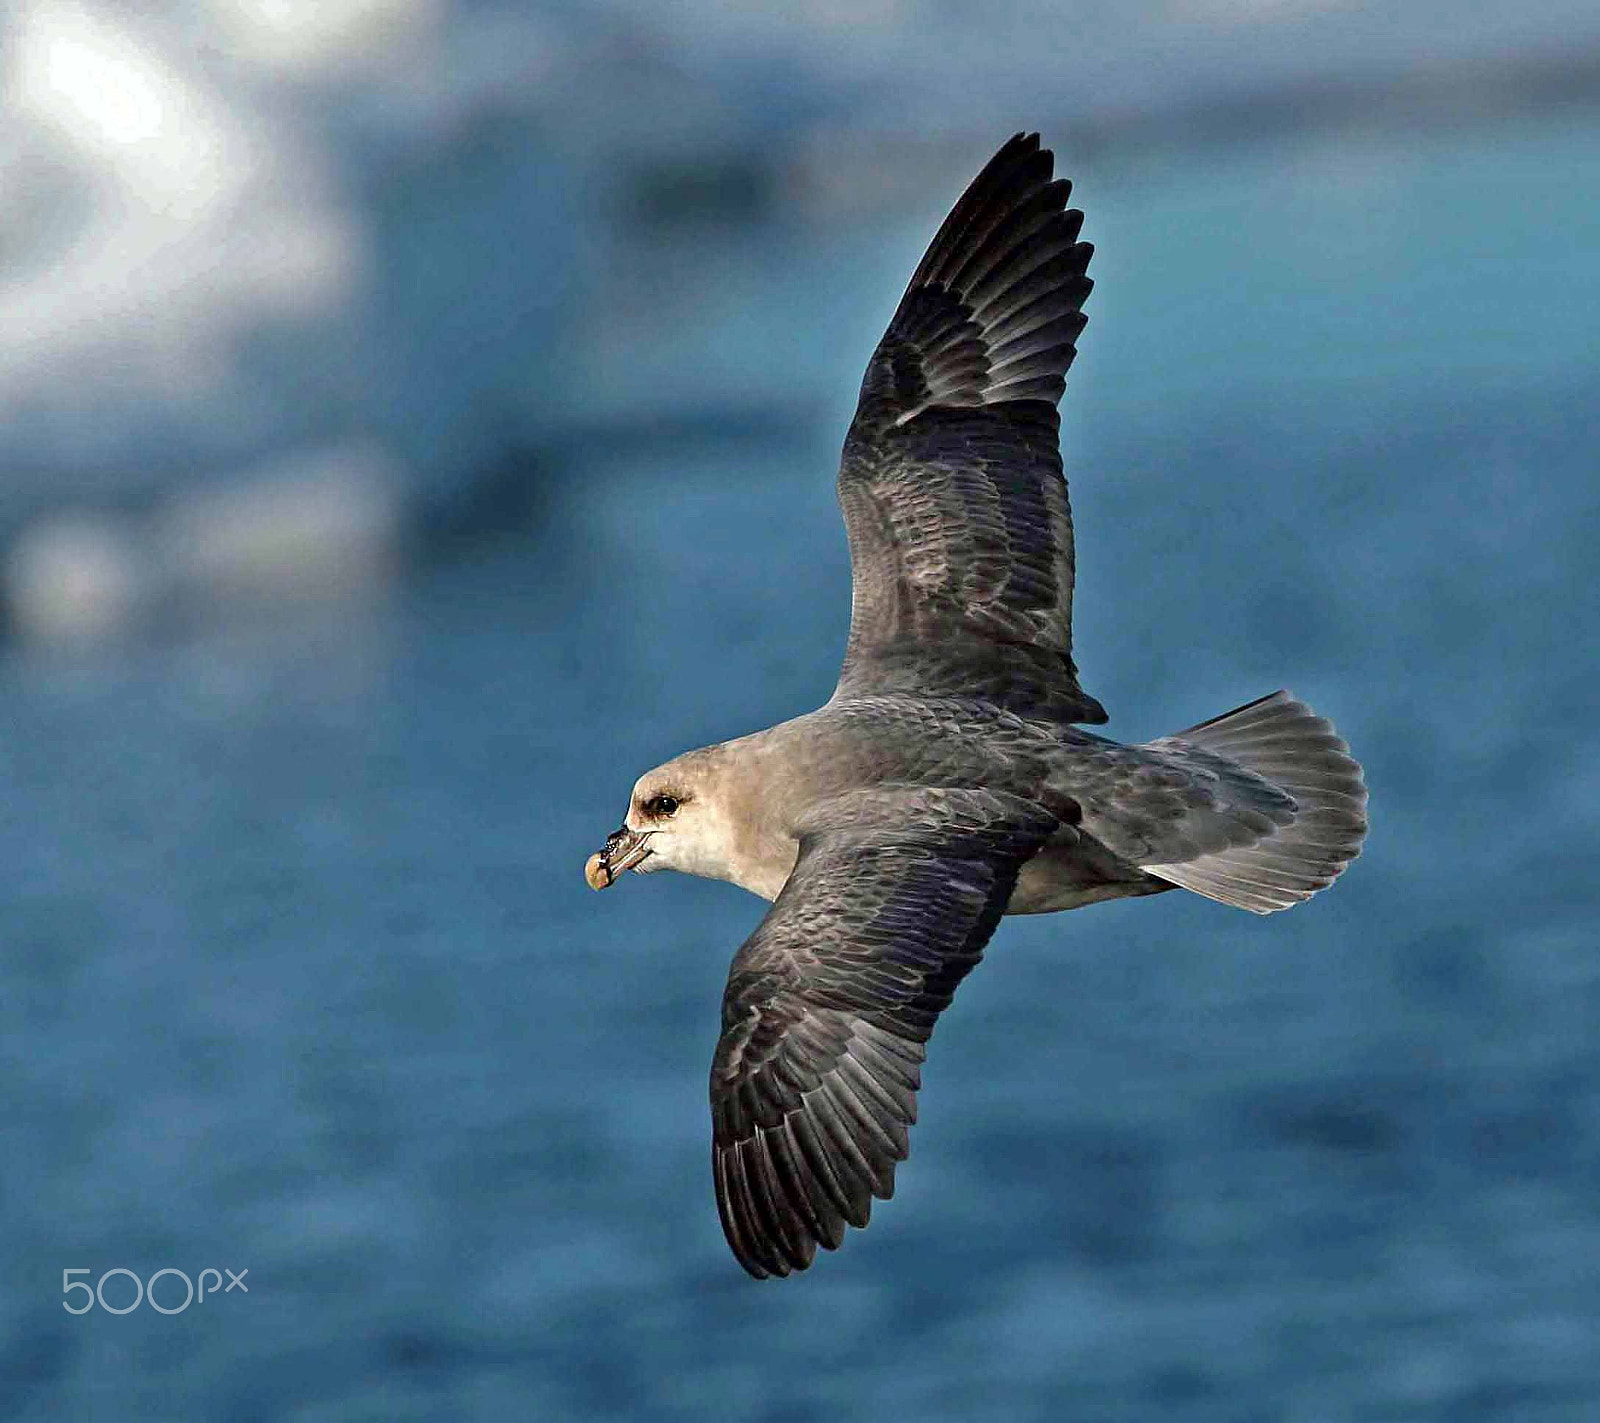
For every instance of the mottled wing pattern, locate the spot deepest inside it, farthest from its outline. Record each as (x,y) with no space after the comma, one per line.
(830,1003)
(951,482)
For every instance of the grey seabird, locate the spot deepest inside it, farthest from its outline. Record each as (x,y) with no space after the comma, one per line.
(946,782)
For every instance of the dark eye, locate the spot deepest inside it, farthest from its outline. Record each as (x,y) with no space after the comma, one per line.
(662,805)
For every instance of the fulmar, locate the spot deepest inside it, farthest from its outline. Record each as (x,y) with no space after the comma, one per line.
(946,781)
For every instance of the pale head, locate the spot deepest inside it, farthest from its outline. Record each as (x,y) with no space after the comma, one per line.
(677,819)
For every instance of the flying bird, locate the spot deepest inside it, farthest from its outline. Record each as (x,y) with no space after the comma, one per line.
(947,781)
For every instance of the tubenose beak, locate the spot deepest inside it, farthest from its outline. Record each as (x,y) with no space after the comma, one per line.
(624,848)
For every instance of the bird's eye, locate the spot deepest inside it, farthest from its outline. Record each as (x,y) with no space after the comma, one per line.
(662,805)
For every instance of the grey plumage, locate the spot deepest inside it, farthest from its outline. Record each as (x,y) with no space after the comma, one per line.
(948,781)
(1288,754)
(961,548)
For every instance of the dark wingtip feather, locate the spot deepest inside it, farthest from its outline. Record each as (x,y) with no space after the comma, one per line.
(1009,244)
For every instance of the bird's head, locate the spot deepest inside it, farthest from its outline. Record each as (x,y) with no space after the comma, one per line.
(676,821)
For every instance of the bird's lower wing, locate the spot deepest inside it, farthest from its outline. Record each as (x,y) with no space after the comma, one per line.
(831,1001)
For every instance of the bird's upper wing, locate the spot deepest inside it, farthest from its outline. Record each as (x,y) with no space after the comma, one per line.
(830,1002)
(951,483)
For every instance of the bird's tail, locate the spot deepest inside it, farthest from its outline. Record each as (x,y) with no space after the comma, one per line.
(1286,743)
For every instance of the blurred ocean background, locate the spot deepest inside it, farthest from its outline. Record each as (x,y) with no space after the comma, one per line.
(420,416)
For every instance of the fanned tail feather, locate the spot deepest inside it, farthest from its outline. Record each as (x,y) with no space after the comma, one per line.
(1285,742)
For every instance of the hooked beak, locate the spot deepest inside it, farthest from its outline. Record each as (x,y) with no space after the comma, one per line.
(623,850)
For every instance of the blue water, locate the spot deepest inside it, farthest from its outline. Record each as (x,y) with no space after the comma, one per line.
(301,978)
